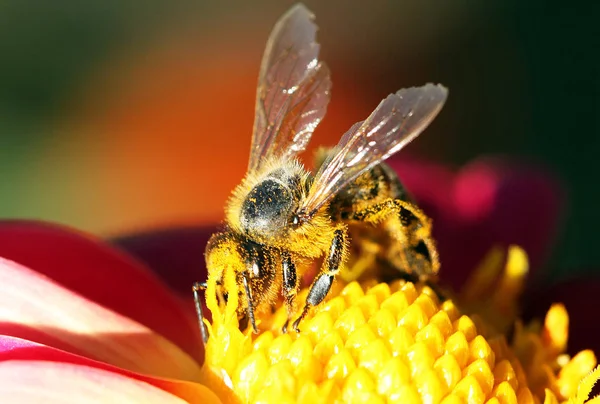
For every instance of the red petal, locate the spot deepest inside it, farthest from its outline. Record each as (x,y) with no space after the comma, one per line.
(581,298)
(36,373)
(87,266)
(70,322)
(176,255)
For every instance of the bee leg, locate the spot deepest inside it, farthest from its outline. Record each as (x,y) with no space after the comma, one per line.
(290,286)
(197,287)
(412,220)
(247,289)
(331,266)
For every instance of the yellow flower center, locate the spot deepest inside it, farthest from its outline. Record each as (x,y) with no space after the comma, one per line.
(387,343)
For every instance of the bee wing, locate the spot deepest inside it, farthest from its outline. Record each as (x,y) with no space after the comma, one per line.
(293,89)
(396,121)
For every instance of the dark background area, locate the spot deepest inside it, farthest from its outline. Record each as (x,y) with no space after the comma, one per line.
(116,116)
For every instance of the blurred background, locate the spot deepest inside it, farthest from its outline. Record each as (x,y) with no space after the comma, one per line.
(120,116)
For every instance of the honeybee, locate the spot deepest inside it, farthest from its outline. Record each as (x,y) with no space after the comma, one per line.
(283,217)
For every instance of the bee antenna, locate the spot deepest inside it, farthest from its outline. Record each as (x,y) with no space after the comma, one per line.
(200,286)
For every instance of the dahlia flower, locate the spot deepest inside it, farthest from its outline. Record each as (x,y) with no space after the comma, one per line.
(86,320)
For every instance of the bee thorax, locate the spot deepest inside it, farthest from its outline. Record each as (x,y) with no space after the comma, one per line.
(267,208)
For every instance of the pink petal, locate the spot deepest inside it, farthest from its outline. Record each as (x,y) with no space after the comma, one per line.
(506,197)
(37,382)
(489,202)
(35,356)
(36,308)
(429,183)
(100,273)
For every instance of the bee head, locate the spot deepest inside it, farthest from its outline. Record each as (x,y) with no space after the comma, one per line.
(267,209)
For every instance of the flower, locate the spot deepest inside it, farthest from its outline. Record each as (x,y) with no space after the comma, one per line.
(82,318)
(399,343)
(478,213)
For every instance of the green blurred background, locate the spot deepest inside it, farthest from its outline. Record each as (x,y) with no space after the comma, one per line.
(115,116)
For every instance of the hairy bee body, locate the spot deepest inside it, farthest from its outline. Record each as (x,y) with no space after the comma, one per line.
(395,240)
(262,205)
(351,211)
(261,237)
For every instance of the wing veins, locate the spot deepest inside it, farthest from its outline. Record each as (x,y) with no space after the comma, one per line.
(271,134)
(284,110)
(293,89)
(387,130)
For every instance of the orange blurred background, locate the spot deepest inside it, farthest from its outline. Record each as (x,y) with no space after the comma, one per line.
(119,117)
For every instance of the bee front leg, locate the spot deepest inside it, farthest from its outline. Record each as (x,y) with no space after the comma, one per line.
(196,288)
(250,300)
(331,266)
(290,286)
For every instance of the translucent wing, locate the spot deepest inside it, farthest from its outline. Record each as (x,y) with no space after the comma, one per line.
(396,121)
(293,89)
